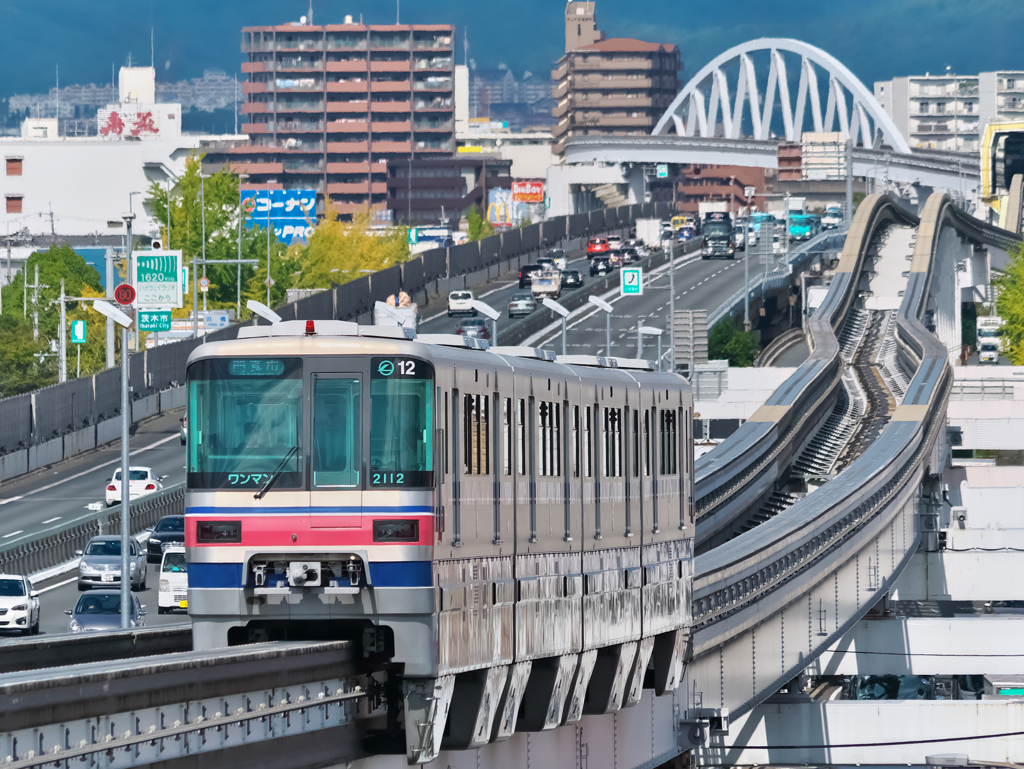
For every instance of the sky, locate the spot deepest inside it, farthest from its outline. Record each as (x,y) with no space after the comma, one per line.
(876,39)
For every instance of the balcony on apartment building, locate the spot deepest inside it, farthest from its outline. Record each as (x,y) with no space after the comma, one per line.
(1010,104)
(611,63)
(949,90)
(303,165)
(940,127)
(391,147)
(358,65)
(354,85)
(438,103)
(283,65)
(389,86)
(391,126)
(560,89)
(288,144)
(255,167)
(433,63)
(561,108)
(433,125)
(355,188)
(295,84)
(425,41)
(432,145)
(256,107)
(346,126)
(390,66)
(297,105)
(355,167)
(357,147)
(620,100)
(598,83)
(605,120)
(399,107)
(348,106)
(433,83)
(388,42)
(1010,84)
(351,41)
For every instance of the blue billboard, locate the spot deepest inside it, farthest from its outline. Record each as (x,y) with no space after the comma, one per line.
(292,213)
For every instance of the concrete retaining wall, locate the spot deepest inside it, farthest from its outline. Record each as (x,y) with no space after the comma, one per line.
(79,441)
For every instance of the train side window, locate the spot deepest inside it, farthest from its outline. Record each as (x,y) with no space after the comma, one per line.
(476,435)
(588,444)
(668,443)
(549,438)
(612,442)
(647,443)
(447,434)
(521,437)
(576,441)
(506,435)
(636,443)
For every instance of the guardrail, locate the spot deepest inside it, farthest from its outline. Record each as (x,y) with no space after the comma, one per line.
(58,543)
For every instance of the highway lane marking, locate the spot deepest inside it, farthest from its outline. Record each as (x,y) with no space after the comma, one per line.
(59,584)
(14,533)
(97,467)
(12,499)
(52,520)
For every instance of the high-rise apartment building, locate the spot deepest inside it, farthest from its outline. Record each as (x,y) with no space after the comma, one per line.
(950,112)
(610,87)
(328,107)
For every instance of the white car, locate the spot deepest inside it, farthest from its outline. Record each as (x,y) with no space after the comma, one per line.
(141,481)
(460,303)
(614,242)
(19,604)
(173,581)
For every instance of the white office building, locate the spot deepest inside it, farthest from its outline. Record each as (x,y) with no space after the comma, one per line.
(70,189)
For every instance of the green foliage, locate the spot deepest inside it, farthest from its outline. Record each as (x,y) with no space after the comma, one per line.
(858,198)
(1010,307)
(479,228)
(222,211)
(21,366)
(969,325)
(727,342)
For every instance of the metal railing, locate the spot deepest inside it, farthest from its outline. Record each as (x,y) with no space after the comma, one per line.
(57,544)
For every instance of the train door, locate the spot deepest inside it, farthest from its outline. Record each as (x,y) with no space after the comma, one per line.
(337,450)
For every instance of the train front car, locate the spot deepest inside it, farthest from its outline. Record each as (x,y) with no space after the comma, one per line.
(310,500)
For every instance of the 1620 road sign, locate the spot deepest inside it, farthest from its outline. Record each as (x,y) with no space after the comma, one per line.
(157,278)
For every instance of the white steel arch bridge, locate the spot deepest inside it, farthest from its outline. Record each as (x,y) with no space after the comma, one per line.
(850,107)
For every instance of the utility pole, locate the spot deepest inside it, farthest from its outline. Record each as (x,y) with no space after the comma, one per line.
(849,180)
(202,209)
(111,362)
(126,419)
(746,287)
(35,307)
(62,339)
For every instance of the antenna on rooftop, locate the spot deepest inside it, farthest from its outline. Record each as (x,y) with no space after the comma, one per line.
(398,9)
(152,50)
(310,16)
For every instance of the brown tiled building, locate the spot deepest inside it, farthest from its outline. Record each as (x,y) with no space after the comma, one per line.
(328,107)
(610,87)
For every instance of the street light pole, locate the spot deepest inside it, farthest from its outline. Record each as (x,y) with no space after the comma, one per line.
(62,338)
(671,300)
(126,420)
(202,212)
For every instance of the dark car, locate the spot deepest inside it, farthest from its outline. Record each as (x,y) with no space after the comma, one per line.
(526,274)
(686,234)
(629,256)
(474,328)
(101,610)
(169,530)
(572,279)
(600,265)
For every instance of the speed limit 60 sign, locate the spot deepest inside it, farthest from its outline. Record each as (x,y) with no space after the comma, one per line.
(632,281)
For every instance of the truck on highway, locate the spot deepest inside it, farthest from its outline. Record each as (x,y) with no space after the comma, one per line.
(990,344)
(683,220)
(649,231)
(718,237)
(803,226)
(832,219)
(546,283)
(706,207)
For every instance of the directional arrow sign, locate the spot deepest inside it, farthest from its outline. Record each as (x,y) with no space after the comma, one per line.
(79,331)
(632,281)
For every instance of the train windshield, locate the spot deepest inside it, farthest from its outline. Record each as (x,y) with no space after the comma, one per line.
(401,422)
(245,423)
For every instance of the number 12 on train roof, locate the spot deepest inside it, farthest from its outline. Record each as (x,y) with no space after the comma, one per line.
(632,281)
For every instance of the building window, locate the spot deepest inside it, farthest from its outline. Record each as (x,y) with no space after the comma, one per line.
(924,108)
(1010,83)
(940,107)
(14,204)
(14,166)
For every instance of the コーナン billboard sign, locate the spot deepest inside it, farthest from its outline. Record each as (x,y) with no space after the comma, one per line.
(528,192)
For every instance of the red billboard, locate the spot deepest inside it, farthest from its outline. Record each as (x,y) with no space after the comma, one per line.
(528,192)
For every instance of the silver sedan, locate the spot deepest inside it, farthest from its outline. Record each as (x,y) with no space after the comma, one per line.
(100,564)
(521,305)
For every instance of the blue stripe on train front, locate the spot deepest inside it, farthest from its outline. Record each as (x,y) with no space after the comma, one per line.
(382,574)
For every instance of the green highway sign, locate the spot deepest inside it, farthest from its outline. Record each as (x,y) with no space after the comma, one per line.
(78,331)
(156,276)
(159,320)
(632,281)
(662,171)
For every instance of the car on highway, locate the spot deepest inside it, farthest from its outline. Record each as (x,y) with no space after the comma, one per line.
(19,604)
(639,246)
(474,328)
(596,246)
(572,279)
(547,264)
(100,610)
(184,430)
(99,564)
(614,241)
(558,255)
(173,593)
(460,303)
(168,532)
(526,273)
(600,265)
(141,481)
(615,257)
(629,255)
(521,305)
(685,234)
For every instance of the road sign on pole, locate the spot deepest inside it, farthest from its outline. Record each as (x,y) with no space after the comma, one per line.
(158,320)
(632,281)
(124,295)
(79,331)
(156,276)
(204,285)
(662,171)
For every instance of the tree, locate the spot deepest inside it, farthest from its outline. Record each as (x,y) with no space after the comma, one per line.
(727,342)
(479,228)
(339,251)
(1010,306)
(22,365)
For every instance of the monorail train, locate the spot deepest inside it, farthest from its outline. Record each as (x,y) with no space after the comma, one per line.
(509,531)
